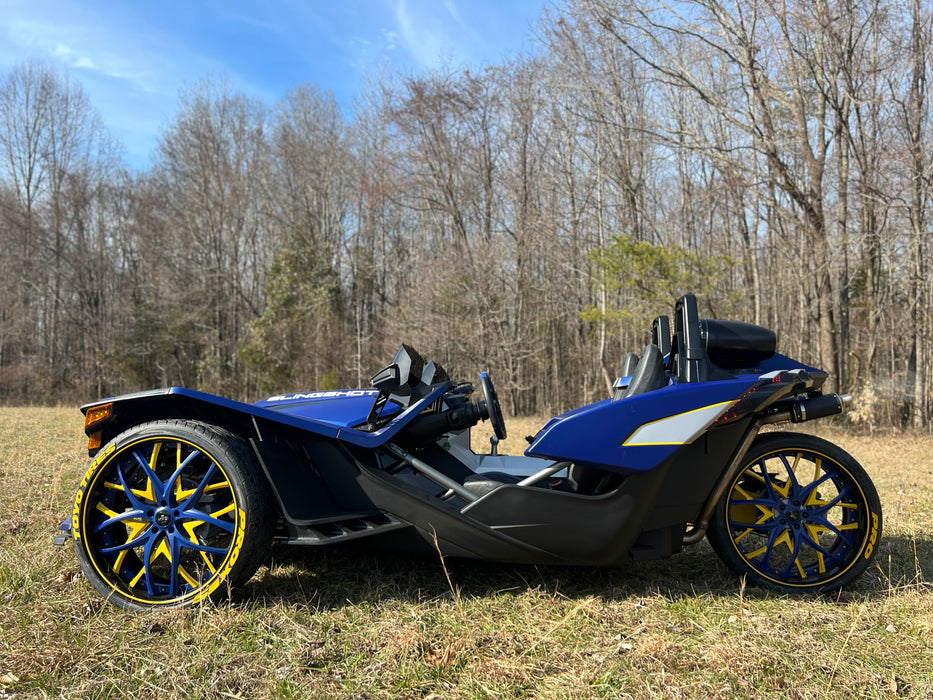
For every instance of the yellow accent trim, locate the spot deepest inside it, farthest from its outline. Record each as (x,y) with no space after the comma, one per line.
(190,527)
(106,511)
(192,581)
(815,530)
(777,488)
(148,494)
(163,550)
(154,457)
(136,580)
(766,515)
(785,540)
(180,493)
(727,404)
(814,500)
(803,574)
(224,511)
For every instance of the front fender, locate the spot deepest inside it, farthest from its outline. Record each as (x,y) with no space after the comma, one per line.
(180,403)
(237,417)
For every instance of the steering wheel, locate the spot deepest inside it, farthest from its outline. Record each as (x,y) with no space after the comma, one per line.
(492,406)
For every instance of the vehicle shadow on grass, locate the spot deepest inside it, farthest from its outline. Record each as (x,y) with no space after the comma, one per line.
(335,577)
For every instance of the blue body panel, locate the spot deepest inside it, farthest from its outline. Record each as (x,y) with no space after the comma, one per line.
(329,416)
(341,408)
(595,434)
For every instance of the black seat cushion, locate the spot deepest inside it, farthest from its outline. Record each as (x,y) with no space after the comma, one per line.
(649,375)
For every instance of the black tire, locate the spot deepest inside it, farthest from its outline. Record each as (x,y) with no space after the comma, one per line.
(170,514)
(801,515)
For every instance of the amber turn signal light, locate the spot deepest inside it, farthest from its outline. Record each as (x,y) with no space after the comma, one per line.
(94,440)
(97,414)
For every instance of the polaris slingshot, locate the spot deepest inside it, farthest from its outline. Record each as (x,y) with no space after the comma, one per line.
(187,491)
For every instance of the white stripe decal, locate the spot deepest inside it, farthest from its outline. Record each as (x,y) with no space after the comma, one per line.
(677,430)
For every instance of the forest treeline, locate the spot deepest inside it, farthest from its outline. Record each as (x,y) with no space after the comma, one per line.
(529,218)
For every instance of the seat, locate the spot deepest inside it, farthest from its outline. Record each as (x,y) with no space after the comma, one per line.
(629,364)
(649,374)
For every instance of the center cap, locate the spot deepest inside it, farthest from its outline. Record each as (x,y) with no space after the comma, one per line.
(793,515)
(163,518)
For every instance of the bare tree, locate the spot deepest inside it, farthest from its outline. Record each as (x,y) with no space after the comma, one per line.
(211,163)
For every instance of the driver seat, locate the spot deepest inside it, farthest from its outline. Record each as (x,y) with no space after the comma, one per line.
(648,376)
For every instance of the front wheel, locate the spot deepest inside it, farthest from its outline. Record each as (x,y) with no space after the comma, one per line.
(801,515)
(171,513)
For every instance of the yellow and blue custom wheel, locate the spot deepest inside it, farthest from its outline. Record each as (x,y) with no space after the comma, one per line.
(801,515)
(171,513)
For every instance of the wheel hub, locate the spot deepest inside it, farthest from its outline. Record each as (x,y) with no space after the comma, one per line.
(163,517)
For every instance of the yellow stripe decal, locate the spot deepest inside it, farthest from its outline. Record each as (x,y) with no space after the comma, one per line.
(680,429)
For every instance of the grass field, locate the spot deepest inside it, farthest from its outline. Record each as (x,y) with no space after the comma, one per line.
(344,624)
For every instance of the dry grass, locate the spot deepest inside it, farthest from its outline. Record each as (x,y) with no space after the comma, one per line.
(349,624)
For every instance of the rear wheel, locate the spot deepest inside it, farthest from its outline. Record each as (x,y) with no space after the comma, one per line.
(801,515)
(171,513)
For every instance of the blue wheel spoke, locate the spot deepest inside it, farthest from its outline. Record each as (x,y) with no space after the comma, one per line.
(822,521)
(820,548)
(175,548)
(157,485)
(766,502)
(792,477)
(210,520)
(772,538)
(193,499)
(134,514)
(197,546)
(767,525)
(794,554)
(775,497)
(130,544)
(147,565)
(134,500)
(167,491)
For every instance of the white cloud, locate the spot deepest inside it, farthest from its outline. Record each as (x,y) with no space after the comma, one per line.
(423,37)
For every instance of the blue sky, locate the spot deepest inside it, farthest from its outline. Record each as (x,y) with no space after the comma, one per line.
(132,58)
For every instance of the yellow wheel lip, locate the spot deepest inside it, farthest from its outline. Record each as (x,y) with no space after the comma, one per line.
(821,582)
(208,586)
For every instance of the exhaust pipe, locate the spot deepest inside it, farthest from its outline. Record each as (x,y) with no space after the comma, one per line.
(810,409)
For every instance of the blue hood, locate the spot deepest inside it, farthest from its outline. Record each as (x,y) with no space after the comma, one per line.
(344,408)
